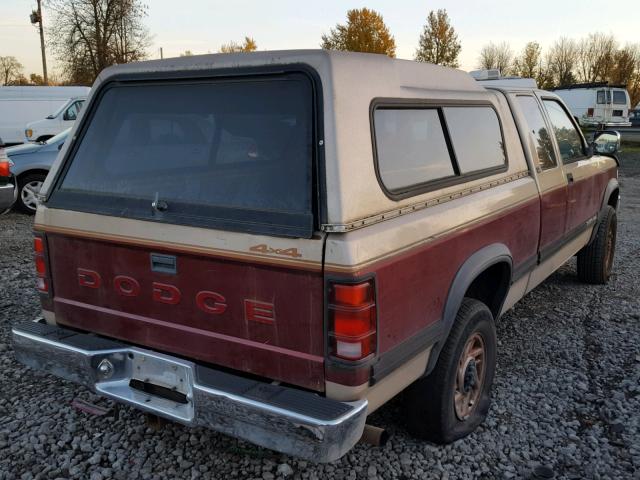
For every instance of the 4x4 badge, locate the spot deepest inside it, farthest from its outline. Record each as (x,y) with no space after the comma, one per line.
(264,248)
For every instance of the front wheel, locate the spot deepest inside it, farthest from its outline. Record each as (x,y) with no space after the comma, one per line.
(28,188)
(454,399)
(595,261)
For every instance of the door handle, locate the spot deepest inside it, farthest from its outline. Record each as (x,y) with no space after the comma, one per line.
(570,177)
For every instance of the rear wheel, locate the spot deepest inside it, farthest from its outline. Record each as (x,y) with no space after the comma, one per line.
(454,399)
(595,261)
(28,188)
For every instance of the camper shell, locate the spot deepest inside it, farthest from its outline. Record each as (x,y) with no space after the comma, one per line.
(270,246)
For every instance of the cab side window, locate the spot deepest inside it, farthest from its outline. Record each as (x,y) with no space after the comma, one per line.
(568,137)
(72,112)
(538,131)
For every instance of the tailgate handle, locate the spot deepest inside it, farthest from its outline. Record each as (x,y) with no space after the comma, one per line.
(163,263)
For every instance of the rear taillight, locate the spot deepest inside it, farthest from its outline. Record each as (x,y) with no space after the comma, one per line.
(41,265)
(5,170)
(589,112)
(352,320)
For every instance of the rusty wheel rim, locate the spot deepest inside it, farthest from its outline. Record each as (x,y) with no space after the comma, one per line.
(611,245)
(469,377)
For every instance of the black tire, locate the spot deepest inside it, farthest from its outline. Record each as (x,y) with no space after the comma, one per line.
(429,402)
(24,203)
(44,138)
(595,261)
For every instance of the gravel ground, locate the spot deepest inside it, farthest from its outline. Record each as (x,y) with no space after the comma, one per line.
(566,400)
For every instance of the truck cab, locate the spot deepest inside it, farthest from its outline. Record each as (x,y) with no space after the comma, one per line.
(53,124)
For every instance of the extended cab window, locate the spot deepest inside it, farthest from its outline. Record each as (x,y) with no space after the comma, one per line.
(230,154)
(569,140)
(476,137)
(411,144)
(538,130)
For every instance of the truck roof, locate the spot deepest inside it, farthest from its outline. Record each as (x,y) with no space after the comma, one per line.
(588,86)
(334,65)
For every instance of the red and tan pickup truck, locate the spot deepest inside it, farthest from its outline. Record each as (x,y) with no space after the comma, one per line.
(273,245)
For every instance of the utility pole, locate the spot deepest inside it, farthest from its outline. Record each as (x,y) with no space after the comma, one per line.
(161,56)
(36,17)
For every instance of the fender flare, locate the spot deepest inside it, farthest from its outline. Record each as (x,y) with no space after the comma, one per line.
(467,273)
(611,187)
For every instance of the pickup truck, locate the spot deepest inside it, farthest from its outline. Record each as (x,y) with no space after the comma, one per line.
(272,245)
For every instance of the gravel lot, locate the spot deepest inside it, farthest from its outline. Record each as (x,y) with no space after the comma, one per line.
(566,400)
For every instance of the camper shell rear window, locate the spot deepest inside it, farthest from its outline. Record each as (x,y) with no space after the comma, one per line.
(231,153)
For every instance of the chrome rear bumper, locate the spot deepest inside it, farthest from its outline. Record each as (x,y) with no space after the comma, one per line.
(288,420)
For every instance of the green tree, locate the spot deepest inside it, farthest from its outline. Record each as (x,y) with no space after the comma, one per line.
(365,31)
(249,45)
(529,62)
(439,42)
(36,79)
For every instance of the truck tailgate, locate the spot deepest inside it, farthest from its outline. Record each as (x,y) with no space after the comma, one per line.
(258,317)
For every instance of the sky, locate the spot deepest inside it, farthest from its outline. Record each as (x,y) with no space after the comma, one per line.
(201,26)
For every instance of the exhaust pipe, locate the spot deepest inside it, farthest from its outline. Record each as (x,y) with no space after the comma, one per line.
(374,436)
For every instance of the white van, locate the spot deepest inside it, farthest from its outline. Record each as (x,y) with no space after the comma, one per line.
(60,120)
(597,104)
(21,105)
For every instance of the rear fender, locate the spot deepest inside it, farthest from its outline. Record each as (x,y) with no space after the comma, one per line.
(468,272)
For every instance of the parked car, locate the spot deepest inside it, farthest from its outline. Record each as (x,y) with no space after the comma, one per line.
(597,104)
(634,118)
(273,245)
(8,189)
(62,119)
(32,163)
(21,105)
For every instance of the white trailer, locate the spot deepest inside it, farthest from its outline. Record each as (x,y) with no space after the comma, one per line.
(597,104)
(21,105)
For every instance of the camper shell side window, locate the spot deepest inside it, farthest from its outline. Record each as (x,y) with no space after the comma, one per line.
(421,146)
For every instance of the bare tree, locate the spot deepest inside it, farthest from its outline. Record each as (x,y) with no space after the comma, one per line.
(529,62)
(595,57)
(10,70)
(496,56)
(561,61)
(625,63)
(91,35)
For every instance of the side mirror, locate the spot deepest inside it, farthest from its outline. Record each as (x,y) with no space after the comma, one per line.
(606,142)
